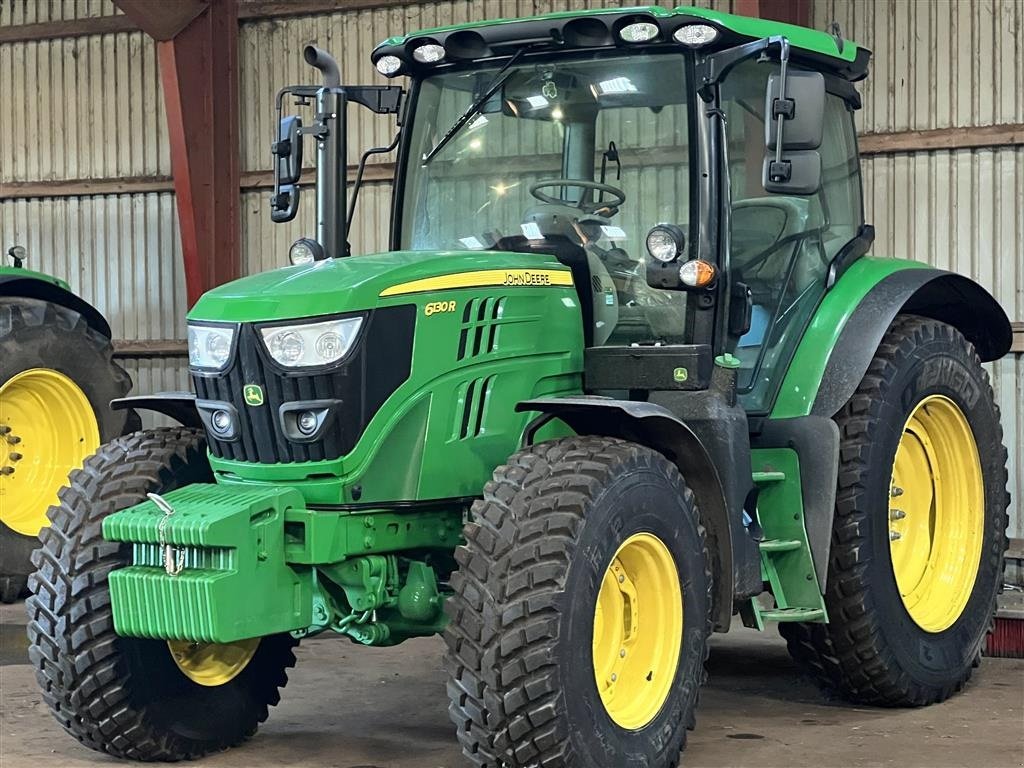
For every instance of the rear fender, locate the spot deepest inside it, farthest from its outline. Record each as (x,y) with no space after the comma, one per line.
(34,285)
(654,426)
(848,326)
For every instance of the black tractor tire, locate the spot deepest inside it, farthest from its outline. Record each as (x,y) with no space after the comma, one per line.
(121,695)
(872,651)
(39,334)
(521,686)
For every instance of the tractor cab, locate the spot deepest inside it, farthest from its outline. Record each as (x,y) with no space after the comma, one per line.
(648,162)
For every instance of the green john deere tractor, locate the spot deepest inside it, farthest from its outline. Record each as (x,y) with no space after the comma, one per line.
(57,379)
(627,371)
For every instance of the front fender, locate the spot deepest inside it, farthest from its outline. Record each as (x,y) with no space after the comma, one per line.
(848,326)
(656,427)
(180,406)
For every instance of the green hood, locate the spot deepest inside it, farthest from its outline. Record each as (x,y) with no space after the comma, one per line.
(355,283)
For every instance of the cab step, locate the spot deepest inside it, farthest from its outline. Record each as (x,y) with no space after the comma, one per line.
(780,545)
(792,614)
(786,561)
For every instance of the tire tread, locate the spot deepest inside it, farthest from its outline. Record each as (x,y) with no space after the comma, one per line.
(79,660)
(504,687)
(848,657)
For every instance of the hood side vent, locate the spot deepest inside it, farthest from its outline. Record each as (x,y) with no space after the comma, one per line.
(480,320)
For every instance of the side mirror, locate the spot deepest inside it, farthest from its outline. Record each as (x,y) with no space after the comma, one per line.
(288,150)
(798,173)
(802,108)
(284,204)
(794,126)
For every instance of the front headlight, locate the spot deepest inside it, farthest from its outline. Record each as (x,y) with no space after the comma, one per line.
(209,346)
(313,344)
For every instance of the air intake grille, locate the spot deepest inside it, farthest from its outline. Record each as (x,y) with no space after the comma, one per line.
(480,321)
(474,396)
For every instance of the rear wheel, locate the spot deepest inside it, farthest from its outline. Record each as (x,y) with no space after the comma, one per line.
(581,613)
(57,378)
(920,529)
(129,697)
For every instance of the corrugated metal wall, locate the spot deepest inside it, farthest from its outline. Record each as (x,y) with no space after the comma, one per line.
(91,107)
(13,12)
(942,64)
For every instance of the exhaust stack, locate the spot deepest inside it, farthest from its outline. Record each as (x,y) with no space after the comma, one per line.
(332,156)
(327,64)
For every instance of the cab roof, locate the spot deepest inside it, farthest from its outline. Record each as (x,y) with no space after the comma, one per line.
(598,28)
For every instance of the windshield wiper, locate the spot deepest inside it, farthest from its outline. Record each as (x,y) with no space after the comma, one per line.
(500,78)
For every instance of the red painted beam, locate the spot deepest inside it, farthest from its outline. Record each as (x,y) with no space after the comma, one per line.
(790,11)
(162,21)
(199,73)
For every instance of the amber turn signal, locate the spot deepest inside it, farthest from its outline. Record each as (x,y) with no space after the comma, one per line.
(698,274)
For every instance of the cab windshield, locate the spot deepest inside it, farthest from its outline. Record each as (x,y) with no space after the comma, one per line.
(575,157)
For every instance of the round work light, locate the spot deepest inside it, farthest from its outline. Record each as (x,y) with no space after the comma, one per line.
(665,242)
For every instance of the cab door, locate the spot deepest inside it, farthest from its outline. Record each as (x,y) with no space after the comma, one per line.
(781,245)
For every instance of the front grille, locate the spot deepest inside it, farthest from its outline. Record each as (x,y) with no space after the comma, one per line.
(378,365)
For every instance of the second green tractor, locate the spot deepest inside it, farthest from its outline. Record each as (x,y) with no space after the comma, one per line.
(627,374)
(57,378)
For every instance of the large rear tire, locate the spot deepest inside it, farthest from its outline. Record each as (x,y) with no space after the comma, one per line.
(917,549)
(57,378)
(125,696)
(580,621)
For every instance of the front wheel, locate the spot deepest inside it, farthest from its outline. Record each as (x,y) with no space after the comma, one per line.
(129,697)
(581,613)
(920,528)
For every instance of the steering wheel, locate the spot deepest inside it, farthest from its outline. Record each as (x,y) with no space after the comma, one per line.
(619,197)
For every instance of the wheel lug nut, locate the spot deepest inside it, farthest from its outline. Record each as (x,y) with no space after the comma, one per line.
(15,456)
(622,653)
(13,439)
(614,677)
(6,470)
(622,579)
(896,491)
(4,429)
(895,535)
(897,514)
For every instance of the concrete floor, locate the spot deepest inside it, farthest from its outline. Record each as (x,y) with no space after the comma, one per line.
(351,707)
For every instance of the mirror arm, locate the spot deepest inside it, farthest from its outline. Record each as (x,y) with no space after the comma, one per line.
(712,69)
(781,170)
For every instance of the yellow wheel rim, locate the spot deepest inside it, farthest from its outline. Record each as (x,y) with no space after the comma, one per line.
(212,664)
(48,428)
(936,513)
(638,631)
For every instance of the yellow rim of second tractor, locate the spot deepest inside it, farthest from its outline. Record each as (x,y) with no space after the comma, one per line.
(48,427)
(212,664)
(936,513)
(638,631)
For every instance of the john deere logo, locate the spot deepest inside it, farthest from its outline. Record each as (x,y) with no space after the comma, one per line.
(680,374)
(253,394)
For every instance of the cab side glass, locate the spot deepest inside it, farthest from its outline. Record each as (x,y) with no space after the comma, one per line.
(782,244)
